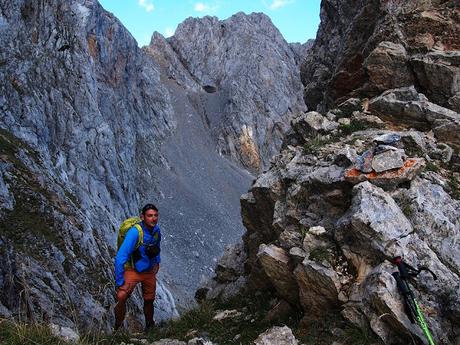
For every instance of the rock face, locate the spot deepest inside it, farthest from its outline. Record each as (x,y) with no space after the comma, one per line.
(92,127)
(342,199)
(366,47)
(80,104)
(277,335)
(250,73)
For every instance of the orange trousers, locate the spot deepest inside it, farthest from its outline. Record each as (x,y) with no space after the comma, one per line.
(149,284)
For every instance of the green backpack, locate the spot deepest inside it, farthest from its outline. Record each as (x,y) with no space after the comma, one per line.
(124,227)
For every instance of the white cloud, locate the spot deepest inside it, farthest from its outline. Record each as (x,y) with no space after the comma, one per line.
(279,3)
(205,8)
(200,7)
(146,5)
(169,31)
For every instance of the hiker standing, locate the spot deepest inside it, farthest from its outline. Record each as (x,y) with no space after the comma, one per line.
(138,261)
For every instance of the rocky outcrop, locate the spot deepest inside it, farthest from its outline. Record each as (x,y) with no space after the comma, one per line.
(277,335)
(334,209)
(370,175)
(93,126)
(366,47)
(407,106)
(301,50)
(251,76)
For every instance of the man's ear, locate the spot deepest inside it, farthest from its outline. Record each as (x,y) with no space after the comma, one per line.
(141,216)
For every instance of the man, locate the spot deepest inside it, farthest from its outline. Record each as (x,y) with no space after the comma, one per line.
(138,265)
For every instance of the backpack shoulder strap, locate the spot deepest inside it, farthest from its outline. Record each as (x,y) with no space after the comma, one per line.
(140,238)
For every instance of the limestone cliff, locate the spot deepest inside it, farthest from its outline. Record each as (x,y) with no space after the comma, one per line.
(365,47)
(252,80)
(371,176)
(80,107)
(92,127)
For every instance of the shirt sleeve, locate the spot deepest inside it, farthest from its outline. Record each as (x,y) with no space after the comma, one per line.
(158,257)
(124,252)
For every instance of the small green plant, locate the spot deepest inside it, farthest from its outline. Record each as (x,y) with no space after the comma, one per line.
(303,231)
(315,143)
(454,187)
(320,254)
(430,166)
(354,126)
(406,209)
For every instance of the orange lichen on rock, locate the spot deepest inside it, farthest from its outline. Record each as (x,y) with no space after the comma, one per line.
(92,46)
(411,167)
(353,172)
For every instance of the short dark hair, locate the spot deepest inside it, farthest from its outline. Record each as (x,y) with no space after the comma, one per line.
(148,207)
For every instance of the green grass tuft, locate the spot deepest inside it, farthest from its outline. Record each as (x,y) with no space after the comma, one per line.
(430,166)
(315,143)
(454,187)
(352,127)
(25,334)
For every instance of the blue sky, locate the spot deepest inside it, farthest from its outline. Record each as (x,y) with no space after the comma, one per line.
(297,20)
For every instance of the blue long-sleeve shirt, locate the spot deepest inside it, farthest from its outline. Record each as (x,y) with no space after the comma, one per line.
(129,245)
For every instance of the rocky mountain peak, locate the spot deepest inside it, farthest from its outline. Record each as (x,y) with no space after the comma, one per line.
(245,66)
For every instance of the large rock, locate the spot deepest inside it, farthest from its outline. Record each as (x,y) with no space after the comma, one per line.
(230,265)
(436,218)
(387,66)
(392,158)
(388,319)
(311,124)
(374,219)
(438,73)
(364,47)
(276,335)
(407,106)
(319,287)
(278,267)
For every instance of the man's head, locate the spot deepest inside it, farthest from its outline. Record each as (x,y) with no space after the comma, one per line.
(149,215)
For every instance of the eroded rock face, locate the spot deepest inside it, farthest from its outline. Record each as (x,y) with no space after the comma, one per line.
(350,229)
(363,48)
(78,99)
(115,126)
(252,73)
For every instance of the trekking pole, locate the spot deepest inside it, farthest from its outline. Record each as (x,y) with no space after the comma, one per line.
(412,308)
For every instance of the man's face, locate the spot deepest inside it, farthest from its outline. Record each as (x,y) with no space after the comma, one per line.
(150,218)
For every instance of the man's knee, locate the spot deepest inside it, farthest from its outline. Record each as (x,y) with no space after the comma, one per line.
(122,295)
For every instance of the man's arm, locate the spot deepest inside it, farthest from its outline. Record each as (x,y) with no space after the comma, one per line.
(158,244)
(123,254)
